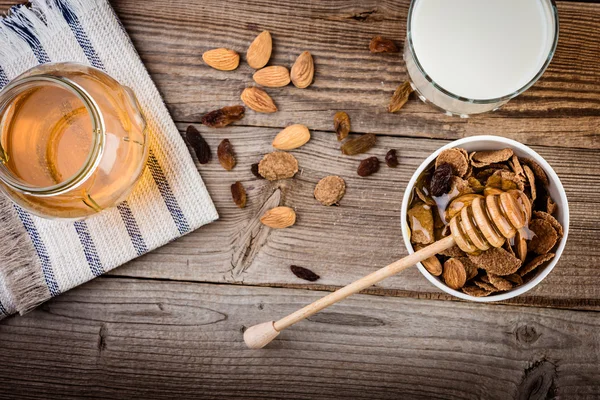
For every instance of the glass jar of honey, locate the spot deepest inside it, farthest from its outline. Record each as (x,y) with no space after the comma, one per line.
(72,141)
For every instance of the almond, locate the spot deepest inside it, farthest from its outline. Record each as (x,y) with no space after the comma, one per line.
(279,217)
(222,59)
(291,137)
(454,273)
(303,70)
(259,52)
(273,76)
(258,100)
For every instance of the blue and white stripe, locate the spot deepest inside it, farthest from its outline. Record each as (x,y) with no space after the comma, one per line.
(89,248)
(42,252)
(133,229)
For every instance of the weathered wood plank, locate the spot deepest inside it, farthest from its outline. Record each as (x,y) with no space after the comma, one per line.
(561,110)
(344,243)
(116,338)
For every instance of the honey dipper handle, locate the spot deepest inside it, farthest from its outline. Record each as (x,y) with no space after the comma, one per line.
(260,335)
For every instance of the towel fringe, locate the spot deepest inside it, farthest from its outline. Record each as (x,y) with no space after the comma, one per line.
(39,20)
(19,263)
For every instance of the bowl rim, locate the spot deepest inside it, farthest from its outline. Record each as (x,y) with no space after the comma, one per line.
(562,203)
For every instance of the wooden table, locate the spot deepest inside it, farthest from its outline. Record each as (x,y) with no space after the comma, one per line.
(169,324)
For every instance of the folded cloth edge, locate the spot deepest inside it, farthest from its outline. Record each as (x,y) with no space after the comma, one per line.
(23,277)
(20,270)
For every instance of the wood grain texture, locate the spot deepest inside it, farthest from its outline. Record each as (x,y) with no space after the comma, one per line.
(344,243)
(117,338)
(562,109)
(154,337)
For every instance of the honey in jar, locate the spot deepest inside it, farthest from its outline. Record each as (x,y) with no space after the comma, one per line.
(72,141)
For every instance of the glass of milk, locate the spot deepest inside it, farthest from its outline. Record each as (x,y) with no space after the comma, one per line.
(472,56)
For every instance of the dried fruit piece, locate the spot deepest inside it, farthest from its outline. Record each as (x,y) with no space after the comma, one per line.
(400,97)
(391,159)
(538,171)
(382,45)
(226,155)
(279,217)
(303,70)
(456,159)
(254,170)
(476,291)
(330,190)
(551,220)
(536,262)
(223,116)
(484,174)
(341,124)
(368,166)
(273,76)
(359,145)
(259,52)
(441,180)
(420,220)
(304,273)
(497,261)
(201,148)
(545,236)
(238,193)
(278,165)
(481,159)
(454,274)
(222,59)
(499,282)
(475,184)
(531,179)
(258,100)
(291,137)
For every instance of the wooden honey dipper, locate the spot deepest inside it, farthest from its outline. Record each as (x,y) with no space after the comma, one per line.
(487,222)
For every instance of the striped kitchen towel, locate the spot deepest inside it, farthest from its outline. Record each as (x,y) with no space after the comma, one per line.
(41,258)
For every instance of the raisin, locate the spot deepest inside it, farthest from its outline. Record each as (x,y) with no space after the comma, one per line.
(359,145)
(341,124)
(368,166)
(223,116)
(400,97)
(391,159)
(382,45)
(441,180)
(226,155)
(304,273)
(201,148)
(238,193)
(254,169)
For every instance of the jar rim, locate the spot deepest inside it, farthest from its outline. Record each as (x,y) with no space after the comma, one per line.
(92,161)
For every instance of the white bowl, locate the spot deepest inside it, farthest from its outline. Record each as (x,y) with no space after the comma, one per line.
(555,189)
